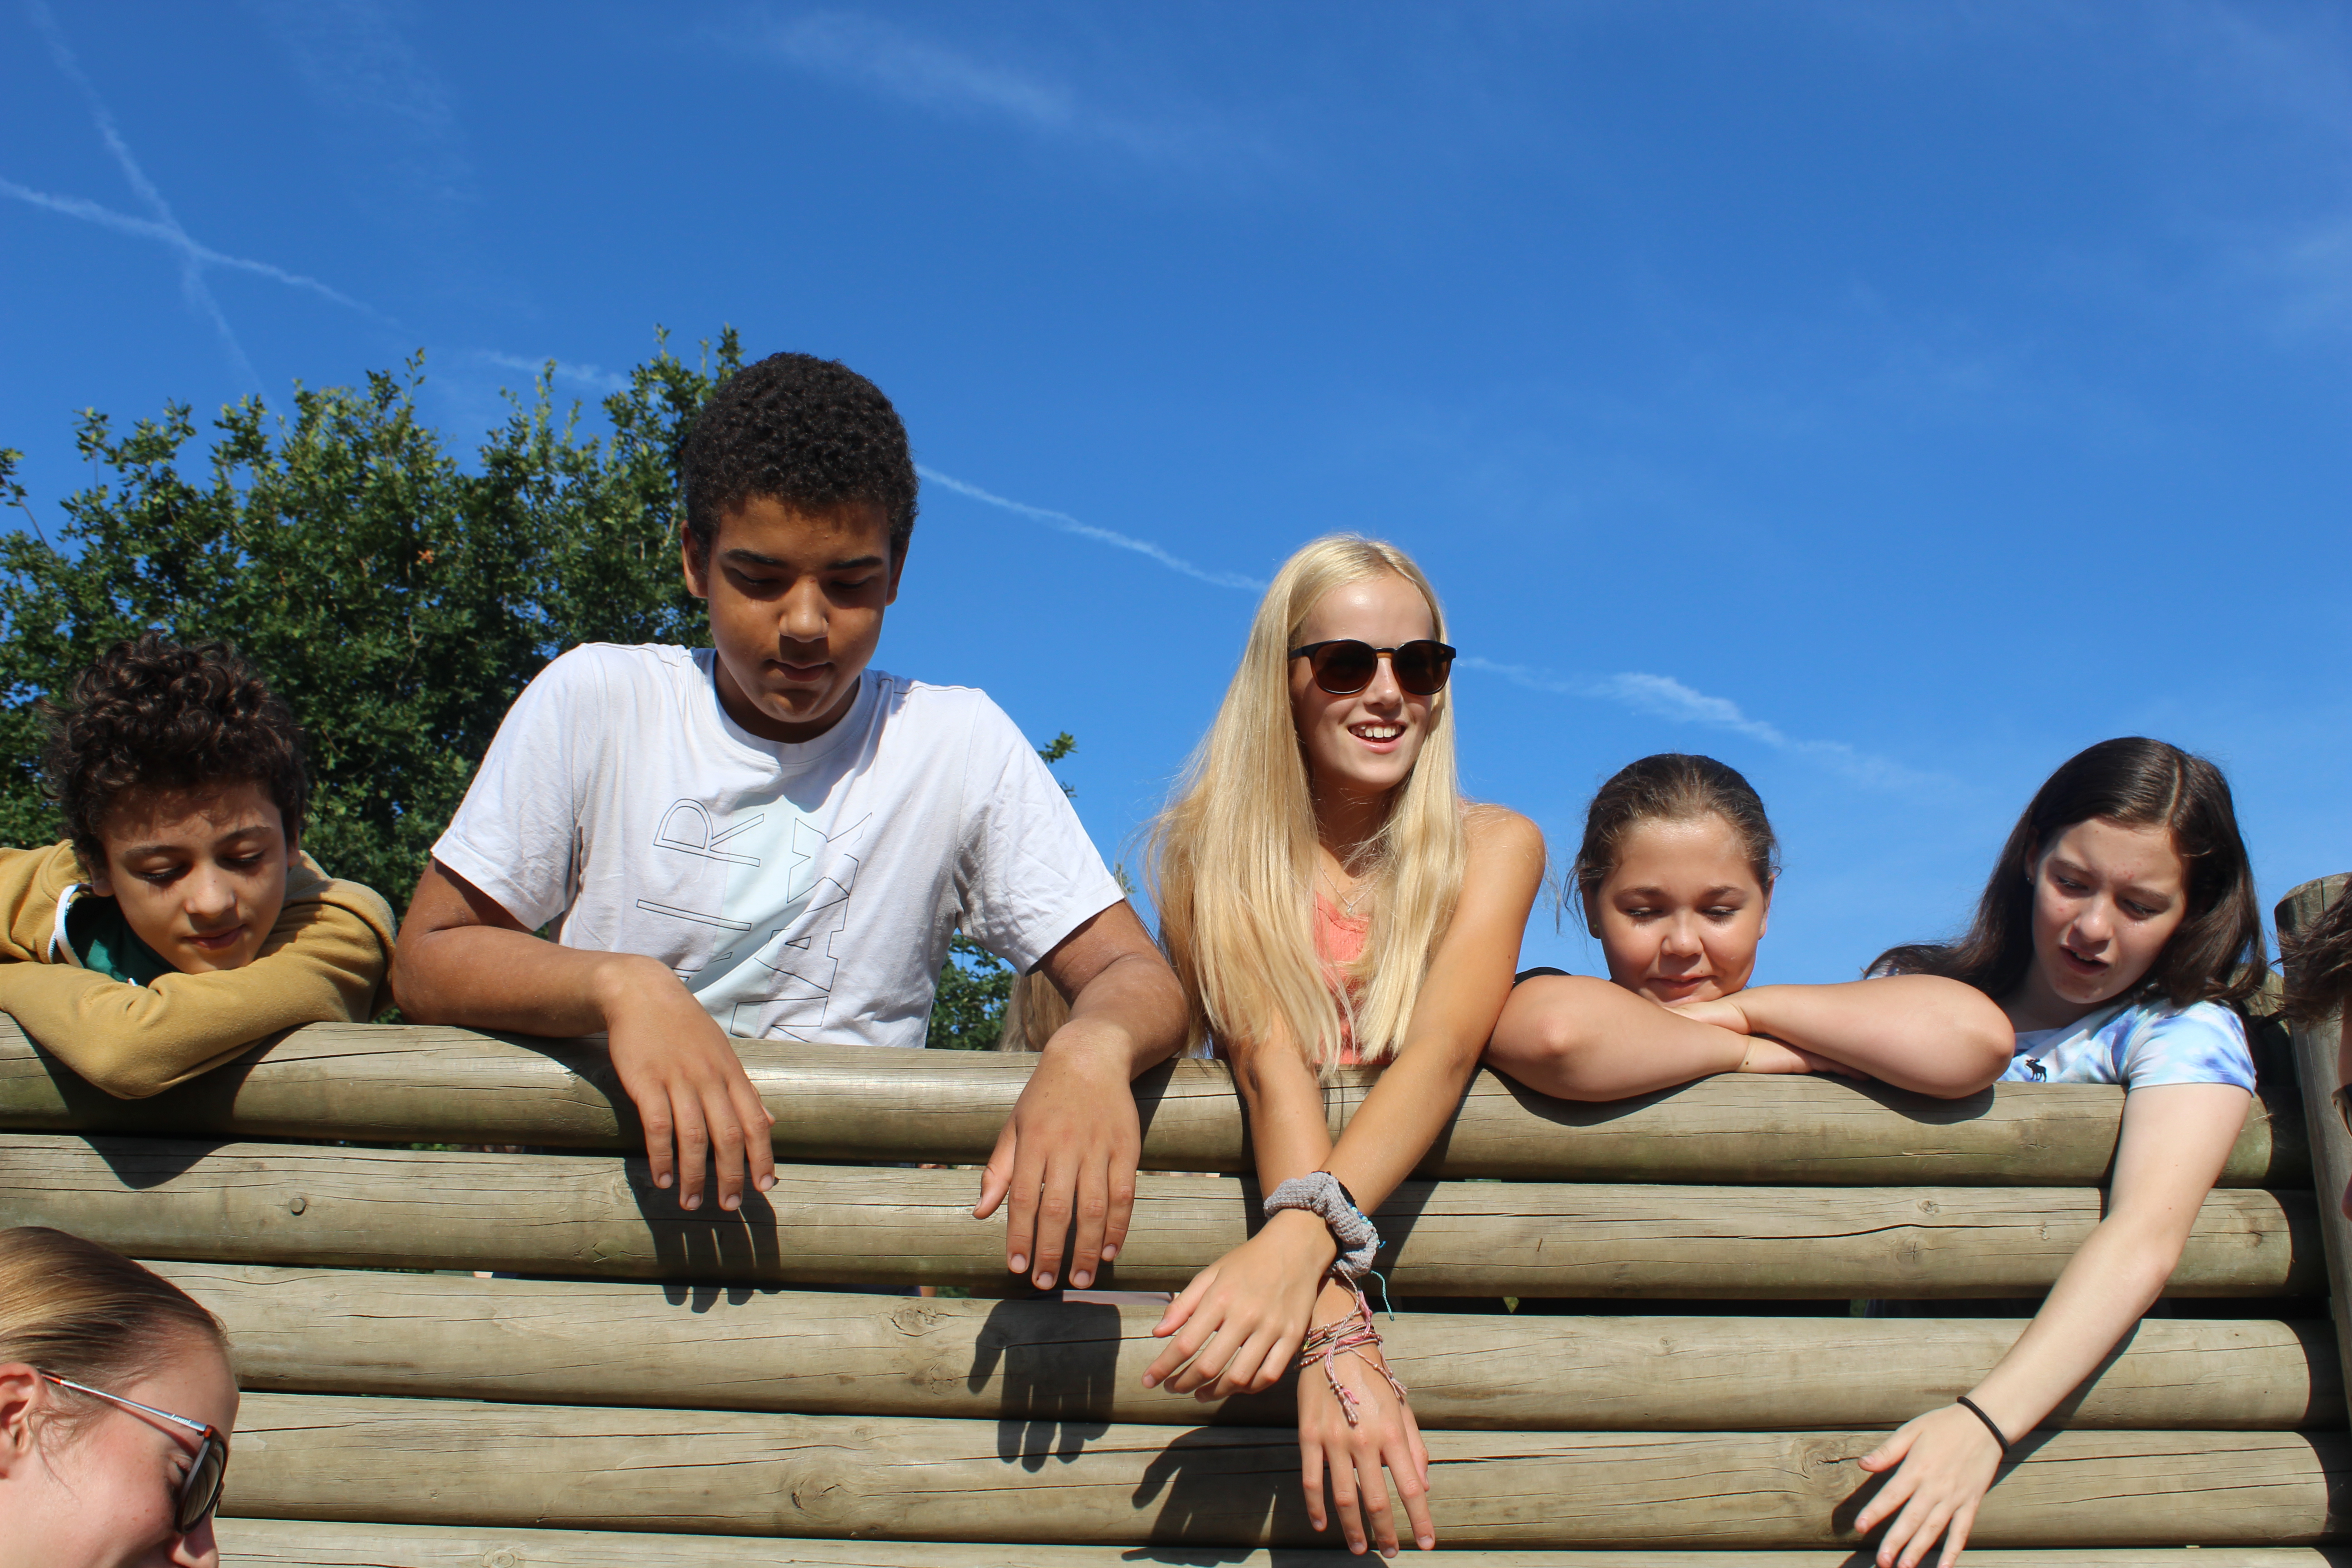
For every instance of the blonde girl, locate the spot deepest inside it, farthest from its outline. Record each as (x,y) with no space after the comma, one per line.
(2120,935)
(1674,876)
(1329,899)
(115,1405)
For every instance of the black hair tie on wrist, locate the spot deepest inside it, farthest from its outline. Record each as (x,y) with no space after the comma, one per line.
(1970,1406)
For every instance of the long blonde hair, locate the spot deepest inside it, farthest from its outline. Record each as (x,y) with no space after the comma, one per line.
(1233,870)
(75,1309)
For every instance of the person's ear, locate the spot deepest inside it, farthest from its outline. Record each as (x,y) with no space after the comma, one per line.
(694,563)
(897,565)
(1764,919)
(101,880)
(21,1401)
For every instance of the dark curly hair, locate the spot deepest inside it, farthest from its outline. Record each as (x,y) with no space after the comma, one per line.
(2215,955)
(158,714)
(808,431)
(1673,786)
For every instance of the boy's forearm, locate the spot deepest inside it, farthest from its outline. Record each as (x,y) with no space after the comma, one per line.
(484,977)
(1133,1009)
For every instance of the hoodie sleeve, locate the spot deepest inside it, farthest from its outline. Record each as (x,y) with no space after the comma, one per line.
(328,959)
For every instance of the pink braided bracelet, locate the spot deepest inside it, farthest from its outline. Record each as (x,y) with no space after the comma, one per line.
(1352,1335)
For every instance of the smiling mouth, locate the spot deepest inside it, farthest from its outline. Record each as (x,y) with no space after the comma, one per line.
(1376,732)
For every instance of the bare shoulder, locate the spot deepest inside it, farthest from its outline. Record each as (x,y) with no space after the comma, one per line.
(1499,830)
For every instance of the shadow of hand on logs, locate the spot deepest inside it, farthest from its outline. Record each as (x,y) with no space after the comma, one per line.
(708,1244)
(1228,1486)
(1056,1363)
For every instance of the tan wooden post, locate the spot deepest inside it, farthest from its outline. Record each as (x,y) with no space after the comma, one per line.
(2331,1146)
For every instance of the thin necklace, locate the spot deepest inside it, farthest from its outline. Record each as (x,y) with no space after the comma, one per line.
(1347,905)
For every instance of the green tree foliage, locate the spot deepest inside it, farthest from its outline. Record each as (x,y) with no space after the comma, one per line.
(397,601)
(968,1010)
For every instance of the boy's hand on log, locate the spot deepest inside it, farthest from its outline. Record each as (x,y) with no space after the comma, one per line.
(688,1086)
(1069,1149)
(1239,1324)
(1944,1463)
(1385,1436)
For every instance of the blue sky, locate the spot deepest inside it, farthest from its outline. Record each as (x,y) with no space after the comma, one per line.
(1890,400)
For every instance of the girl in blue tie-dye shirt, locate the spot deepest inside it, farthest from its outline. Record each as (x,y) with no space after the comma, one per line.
(2120,934)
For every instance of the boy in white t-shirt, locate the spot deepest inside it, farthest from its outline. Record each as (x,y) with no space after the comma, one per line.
(768,838)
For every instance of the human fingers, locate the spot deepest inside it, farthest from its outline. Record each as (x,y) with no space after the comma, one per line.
(1419,1449)
(1889,1453)
(1281,1350)
(1310,1477)
(1343,1500)
(1956,1534)
(1891,1497)
(996,1179)
(1093,1211)
(1056,1193)
(1408,1470)
(1925,1530)
(693,1148)
(1175,1362)
(1120,1176)
(652,1109)
(727,1144)
(756,1119)
(1372,1492)
(1021,1206)
(1253,1350)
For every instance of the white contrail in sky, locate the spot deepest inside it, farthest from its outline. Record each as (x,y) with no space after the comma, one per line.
(1667,698)
(1063,522)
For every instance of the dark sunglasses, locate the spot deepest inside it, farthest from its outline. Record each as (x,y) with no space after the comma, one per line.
(200,1489)
(1344,667)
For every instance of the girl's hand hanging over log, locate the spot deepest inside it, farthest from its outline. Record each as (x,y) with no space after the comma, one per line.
(1239,1324)
(1384,1436)
(1947,1459)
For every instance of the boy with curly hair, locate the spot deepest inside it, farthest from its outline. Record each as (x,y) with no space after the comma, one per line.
(179,921)
(768,837)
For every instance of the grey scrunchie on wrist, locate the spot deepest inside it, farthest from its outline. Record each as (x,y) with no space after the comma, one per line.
(1320,1194)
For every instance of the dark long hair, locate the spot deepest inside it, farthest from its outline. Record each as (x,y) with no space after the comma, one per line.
(1671,786)
(2318,961)
(2216,955)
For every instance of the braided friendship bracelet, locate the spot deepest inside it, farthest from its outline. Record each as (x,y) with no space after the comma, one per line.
(1350,1335)
(1320,1194)
(1970,1406)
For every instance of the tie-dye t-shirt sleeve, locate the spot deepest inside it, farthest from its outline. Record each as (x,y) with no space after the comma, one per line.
(2202,1043)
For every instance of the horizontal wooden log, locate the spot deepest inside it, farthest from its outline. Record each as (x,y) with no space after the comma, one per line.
(443,1336)
(376,1083)
(442,1462)
(601,1215)
(306,1544)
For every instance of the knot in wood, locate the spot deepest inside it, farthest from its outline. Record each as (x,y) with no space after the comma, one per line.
(297,1203)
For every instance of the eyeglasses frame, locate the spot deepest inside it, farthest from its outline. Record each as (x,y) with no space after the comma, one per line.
(1444,650)
(184,1520)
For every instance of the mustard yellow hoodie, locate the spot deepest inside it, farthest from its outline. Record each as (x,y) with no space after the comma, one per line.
(328,959)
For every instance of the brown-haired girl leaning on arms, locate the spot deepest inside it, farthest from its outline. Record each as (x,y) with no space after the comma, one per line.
(2120,934)
(116,1403)
(1329,898)
(1674,876)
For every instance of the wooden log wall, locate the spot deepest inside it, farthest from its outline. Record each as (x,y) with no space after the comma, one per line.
(395,1085)
(600,1216)
(291,1544)
(824,1353)
(2325,1134)
(437,1462)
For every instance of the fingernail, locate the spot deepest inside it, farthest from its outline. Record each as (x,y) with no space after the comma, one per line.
(767,1183)
(731,1203)
(691,1204)
(662,1181)
(1427,1542)
(1044,1281)
(1020,1263)
(1150,1380)
(1109,1252)
(1081,1280)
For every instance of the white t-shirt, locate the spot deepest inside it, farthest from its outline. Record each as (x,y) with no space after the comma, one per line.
(804,892)
(2139,1045)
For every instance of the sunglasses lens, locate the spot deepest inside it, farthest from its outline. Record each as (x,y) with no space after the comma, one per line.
(1343,668)
(1421,667)
(200,1493)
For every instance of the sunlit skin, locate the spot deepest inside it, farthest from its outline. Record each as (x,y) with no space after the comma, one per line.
(2106,898)
(200,876)
(796,596)
(1359,747)
(1680,917)
(101,1495)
